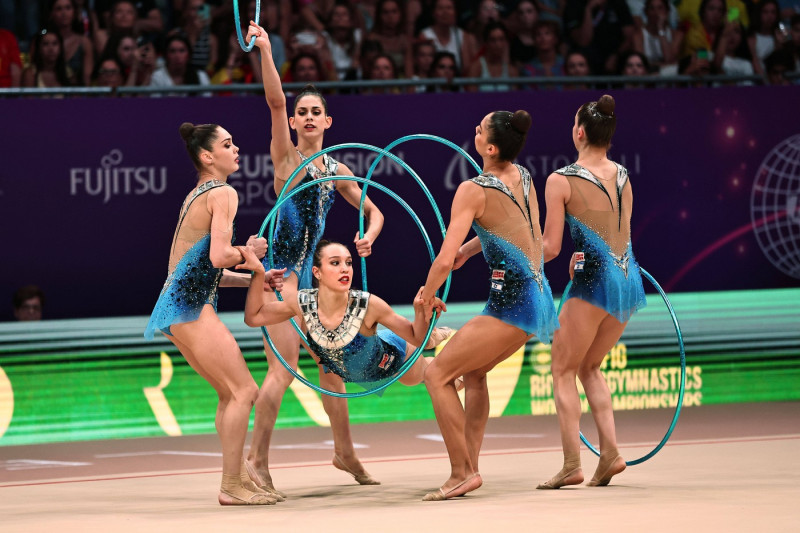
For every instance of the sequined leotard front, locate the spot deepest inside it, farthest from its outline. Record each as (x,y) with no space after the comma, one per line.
(193,282)
(346,352)
(610,278)
(301,221)
(512,245)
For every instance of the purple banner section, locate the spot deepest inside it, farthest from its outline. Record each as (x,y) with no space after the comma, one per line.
(90,188)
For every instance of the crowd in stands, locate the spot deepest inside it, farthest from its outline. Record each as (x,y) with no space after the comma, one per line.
(165,43)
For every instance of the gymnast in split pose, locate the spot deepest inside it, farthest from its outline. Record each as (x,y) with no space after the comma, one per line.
(186,308)
(594,196)
(500,205)
(299,228)
(341,322)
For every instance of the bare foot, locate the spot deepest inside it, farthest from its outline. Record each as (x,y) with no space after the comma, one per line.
(606,469)
(562,479)
(361,476)
(472,482)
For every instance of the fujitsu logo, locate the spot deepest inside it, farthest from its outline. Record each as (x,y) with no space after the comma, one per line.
(111,179)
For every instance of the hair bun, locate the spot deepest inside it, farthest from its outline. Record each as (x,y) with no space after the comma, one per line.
(186,130)
(606,105)
(521,121)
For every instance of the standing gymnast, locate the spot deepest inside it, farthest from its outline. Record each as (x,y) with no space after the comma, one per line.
(186,308)
(500,205)
(341,322)
(594,196)
(299,228)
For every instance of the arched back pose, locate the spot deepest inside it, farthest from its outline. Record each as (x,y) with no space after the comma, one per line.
(186,308)
(341,322)
(299,228)
(594,196)
(500,205)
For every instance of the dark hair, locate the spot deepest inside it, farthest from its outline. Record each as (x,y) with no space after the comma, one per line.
(375,59)
(623,60)
(26,293)
(61,71)
(755,18)
(377,26)
(317,260)
(598,121)
(190,77)
(75,25)
(508,132)
(664,2)
(495,25)
(199,137)
(704,4)
(311,90)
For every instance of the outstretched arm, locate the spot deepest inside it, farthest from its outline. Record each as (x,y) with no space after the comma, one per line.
(281,148)
(351,192)
(412,332)
(467,250)
(468,204)
(258,311)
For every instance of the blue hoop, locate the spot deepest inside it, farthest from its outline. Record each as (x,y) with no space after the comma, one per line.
(270,219)
(394,158)
(245,47)
(683,372)
(387,148)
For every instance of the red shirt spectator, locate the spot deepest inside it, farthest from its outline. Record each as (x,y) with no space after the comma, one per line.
(10,63)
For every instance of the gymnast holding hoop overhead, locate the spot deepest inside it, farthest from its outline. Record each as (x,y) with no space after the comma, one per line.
(594,196)
(341,322)
(298,230)
(500,205)
(186,308)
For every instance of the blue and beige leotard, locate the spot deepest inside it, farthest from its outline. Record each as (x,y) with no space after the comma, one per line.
(610,278)
(301,221)
(346,352)
(194,280)
(519,292)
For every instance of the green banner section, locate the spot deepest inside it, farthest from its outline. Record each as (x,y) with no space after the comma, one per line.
(89,379)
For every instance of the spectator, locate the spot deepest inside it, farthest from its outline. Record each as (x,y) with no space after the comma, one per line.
(344,41)
(10,62)
(306,67)
(638,7)
(488,11)
(147,17)
(633,64)
(109,73)
(145,61)
(552,10)
(703,35)
(689,11)
(522,25)
(390,30)
(28,303)
(777,64)
(444,66)
(494,62)
(657,39)
(732,55)
(422,53)
(576,65)
(547,62)
(447,37)
(177,70)
(123,48)
(794,43)
(48,68)
(196,27)
(121,18)
(765,36)
(383,68)
(601,29)
(370,49)
(64,16)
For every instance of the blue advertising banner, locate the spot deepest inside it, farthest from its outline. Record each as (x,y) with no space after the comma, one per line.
(90,188)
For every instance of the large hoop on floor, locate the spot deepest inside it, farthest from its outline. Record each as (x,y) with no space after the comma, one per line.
(683,372)
(237,22)
(270,219)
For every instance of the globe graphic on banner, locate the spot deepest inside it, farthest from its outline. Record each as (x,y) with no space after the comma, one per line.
(775,206)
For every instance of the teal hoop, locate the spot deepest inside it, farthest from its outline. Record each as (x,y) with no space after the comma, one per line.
(683,372)
(387,149)
(246,47)
(269,220)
